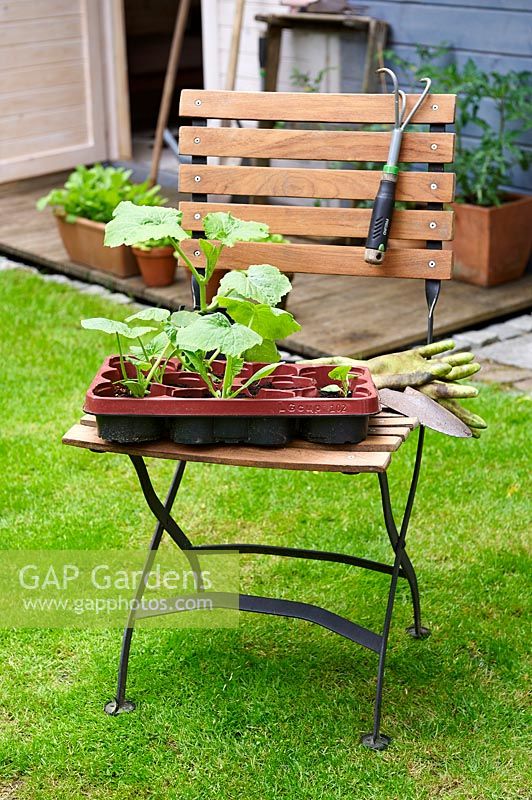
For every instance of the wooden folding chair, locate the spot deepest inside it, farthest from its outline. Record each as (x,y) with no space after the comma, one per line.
(427,261)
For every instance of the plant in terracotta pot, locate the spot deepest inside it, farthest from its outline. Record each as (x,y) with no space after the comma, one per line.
(493,230)
(156,261)
(83,206)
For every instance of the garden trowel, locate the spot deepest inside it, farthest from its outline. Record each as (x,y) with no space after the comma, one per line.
(412,403)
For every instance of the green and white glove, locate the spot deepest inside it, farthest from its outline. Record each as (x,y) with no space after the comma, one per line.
(427,369)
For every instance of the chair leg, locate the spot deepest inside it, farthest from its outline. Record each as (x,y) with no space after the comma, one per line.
(377,740)
(119,704)
(417,630)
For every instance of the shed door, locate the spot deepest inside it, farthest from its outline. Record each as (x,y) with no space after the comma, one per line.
(52,104)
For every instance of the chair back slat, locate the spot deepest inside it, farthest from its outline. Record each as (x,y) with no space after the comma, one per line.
(327,222)
(327,259)
(308,107)
(426,225)
(323,145)
(343,184)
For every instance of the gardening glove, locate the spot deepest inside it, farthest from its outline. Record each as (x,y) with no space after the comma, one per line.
(428,370)
(414,367)
(448,395)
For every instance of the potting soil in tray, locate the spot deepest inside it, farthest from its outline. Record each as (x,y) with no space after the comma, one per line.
(285,405)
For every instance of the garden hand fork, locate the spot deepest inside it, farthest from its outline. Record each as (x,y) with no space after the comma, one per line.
(381,218)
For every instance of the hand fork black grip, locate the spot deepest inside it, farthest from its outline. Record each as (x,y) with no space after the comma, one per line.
(381,220)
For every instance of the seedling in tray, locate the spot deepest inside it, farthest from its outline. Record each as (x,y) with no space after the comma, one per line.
(136,225)
(345,374)
(241,324)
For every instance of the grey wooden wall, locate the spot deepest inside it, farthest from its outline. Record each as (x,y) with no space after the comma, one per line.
(496,34)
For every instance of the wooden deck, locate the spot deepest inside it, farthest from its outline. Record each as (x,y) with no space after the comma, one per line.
(339,315)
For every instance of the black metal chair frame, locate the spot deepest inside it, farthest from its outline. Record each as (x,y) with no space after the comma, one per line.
(401,568)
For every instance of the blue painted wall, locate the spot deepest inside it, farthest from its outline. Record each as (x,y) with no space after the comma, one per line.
(496,34)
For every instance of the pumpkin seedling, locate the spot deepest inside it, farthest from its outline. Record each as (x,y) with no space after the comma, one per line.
(343,374)
(135,225)
(144,369)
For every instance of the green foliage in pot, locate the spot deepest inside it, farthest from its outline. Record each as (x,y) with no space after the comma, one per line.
(482,169)
(94,192)
(152,244)
(247,322)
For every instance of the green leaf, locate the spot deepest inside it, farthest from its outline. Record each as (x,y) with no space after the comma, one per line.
(144,366)
(153,347)
(266,352)
(112,326)
(268,322)
(233,368)
(261,282)
(228,230)
(212,254)
(215,332)
(155,314)
(183,318)
(136,388)
(263,372)
(177,321)
(340,373)
(132,224)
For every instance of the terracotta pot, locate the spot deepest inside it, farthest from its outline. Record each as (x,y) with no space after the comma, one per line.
(83,241)
(492,244)
(157,265)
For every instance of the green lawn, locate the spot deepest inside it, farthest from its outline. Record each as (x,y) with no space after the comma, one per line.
(274,708)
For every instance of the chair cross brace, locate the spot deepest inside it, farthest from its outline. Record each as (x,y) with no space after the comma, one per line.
(401,568)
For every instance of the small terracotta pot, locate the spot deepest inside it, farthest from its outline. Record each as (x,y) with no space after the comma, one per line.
(492,244)
(157,265)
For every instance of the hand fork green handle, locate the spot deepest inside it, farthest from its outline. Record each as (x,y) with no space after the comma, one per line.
(383,206)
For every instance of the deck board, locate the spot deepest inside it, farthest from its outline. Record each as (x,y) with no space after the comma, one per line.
(339,315)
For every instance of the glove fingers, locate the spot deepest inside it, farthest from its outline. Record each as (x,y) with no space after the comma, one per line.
(448,391)
(440,369)
(462,371)
(455,390)
(457,359)
(474,421)
(431,391)
(401,381)
(434,349)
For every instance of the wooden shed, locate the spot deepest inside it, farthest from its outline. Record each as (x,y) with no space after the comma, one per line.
(77,77)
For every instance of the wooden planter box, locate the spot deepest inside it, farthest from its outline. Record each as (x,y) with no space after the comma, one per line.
(83,241)
(492,244)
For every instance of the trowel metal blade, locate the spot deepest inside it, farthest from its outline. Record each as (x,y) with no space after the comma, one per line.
(412,403)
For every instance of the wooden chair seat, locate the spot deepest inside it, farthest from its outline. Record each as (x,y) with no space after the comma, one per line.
(386,434)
